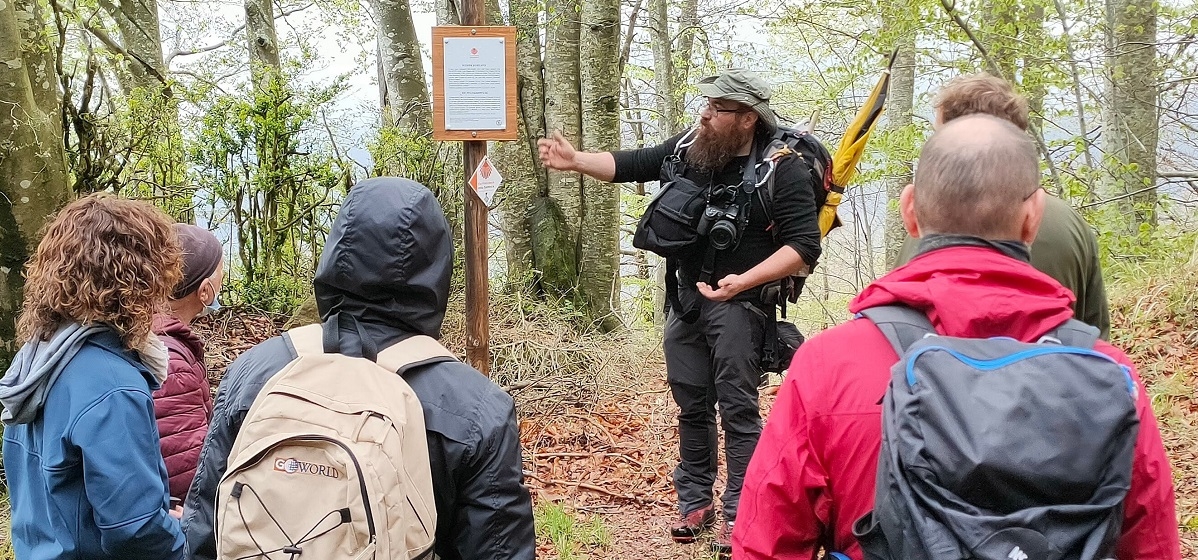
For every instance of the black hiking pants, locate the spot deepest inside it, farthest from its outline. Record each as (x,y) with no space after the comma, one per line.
(715,362)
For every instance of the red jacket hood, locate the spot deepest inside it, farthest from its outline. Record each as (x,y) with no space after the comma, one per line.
(974,292)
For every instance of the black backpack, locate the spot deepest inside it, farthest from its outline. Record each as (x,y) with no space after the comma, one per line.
(670,223)
(996,449)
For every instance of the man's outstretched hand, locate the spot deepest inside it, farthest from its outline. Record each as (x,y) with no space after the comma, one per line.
(729,286)
(556,152)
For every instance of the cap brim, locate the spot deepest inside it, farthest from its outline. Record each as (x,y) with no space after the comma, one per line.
(711,90)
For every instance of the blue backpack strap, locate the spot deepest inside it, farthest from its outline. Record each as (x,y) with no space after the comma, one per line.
(901,325)
(1073,333)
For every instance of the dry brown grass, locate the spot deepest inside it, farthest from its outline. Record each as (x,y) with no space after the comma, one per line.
(547,363)
(1153,319)
(6,552)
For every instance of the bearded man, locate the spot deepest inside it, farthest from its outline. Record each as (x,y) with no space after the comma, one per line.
(720,308)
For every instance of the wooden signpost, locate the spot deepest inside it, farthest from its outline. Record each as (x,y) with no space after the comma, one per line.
(474,100)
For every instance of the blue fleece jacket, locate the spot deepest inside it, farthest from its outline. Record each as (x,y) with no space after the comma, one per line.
(86,477)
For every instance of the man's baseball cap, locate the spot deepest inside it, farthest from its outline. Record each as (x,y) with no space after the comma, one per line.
(744,87)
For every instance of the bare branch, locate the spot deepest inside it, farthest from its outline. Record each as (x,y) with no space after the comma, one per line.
(1120,197)
(628,35)
(235,33)
(950,6)
(113,45)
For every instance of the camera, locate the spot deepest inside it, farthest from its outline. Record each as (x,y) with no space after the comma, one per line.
(719,218)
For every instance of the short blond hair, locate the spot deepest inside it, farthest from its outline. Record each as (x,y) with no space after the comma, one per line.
(103,259)
(981,93)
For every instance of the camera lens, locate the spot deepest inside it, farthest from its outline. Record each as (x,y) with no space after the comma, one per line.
(722,234)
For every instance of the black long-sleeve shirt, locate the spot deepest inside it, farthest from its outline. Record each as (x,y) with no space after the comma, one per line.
(794,211)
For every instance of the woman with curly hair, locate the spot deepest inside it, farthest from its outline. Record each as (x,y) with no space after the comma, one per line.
(85,475)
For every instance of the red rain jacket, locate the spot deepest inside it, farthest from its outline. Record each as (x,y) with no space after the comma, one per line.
(813,473)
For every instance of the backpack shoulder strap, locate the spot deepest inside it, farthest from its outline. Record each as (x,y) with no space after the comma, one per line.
(686,141)
(1074,333)
(414,351)
(400,357)
(901,325)
(308,339)
(782,144)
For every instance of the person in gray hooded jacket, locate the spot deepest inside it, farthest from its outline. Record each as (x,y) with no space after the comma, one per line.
(387,263)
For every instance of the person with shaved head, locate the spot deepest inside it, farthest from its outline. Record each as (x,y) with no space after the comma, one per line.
(976,204)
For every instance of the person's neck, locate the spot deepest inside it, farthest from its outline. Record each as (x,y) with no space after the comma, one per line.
(184,310)
(745,148)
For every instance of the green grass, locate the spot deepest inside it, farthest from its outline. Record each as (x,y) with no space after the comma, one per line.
(569,534)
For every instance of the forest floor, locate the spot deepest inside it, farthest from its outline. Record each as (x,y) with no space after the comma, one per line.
(600,468)
(600,472)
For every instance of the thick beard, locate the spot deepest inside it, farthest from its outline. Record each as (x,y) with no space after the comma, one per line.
(712,149)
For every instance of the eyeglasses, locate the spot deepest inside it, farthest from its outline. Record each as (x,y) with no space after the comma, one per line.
(1033,193)
(710,106)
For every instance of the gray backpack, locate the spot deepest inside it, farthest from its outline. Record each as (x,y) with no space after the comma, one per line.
(997,449)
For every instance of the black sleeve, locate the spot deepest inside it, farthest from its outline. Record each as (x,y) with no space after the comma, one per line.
(494,516)
(795,214)
(198,514)
(643,165)
(247,374)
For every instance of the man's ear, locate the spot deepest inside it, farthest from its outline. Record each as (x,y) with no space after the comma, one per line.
(1033,214)
(907,210)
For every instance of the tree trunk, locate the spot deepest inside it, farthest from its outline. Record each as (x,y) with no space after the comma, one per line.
(900,105)
(263,42)
(1035,65)
(599,257)
(137,21)
(663,68)
(524,178)
(688,27)
(403,88)
(161,168)
(33,177)
(447,12)
(1130,130)
(562,113)
(999,30)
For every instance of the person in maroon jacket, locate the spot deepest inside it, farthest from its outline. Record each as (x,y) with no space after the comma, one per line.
(976,205)
(184,403)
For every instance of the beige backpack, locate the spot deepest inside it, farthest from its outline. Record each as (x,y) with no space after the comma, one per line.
(332,460)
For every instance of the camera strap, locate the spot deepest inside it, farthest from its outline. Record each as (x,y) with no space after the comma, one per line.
(743,198)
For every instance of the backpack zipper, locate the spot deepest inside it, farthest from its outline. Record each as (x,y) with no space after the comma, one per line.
(996,363)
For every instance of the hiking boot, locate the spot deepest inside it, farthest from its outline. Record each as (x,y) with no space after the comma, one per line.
(688,528)
(722,543)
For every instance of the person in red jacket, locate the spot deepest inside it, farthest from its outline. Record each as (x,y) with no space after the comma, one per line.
(813,473)
(183,405)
